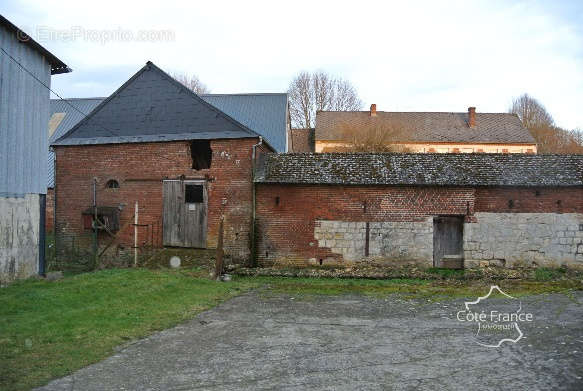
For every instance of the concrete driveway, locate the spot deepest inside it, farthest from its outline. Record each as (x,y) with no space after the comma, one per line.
(262,341)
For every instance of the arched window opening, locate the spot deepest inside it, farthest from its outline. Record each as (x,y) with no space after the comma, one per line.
(112,184)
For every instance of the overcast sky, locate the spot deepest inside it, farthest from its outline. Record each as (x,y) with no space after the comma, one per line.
(402,55)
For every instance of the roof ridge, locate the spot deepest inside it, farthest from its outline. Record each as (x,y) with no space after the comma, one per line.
(246,93)
(410,112)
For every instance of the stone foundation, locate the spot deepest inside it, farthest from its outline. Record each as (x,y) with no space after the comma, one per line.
(392,240)
(529,239)
(19,237)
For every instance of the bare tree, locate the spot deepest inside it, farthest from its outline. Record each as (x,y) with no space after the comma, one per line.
(317,91)
(192,82)
(531,112)
(549,137)
(372,137)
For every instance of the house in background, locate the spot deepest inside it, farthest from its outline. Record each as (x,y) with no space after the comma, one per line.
(426,132)
(302,140)
(186,162)
(25,75)
(265,113)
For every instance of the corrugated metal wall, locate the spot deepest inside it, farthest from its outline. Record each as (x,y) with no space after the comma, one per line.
(24,115)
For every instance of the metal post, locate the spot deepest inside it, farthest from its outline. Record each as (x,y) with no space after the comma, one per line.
(136,235)
(219,260)
(94,223)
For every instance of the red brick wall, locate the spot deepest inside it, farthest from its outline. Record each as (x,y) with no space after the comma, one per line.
(529,200)
(286,230)
(140,169)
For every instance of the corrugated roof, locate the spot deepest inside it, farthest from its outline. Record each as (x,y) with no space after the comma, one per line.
(71,118)
(151,106)
(57,66)
(265,114)
(422,169)
(426,126)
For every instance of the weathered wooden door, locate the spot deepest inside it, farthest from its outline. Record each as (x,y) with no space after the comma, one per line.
(185,213)
(448,237)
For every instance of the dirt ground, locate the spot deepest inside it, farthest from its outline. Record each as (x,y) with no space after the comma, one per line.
(262,340)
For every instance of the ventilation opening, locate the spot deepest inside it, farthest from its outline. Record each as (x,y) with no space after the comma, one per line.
(201,153)
(277,200)
(321,260)
(511,203)
(193,194)
(112,184)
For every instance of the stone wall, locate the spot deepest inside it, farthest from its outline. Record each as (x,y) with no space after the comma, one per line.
(538,239)
(19,237)
(388,239)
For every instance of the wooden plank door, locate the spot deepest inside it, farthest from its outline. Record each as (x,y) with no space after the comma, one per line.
(448,234)
(185,214)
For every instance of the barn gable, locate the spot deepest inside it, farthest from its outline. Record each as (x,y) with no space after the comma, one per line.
(151,107)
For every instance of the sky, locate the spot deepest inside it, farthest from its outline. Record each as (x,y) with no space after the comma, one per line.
(401,55)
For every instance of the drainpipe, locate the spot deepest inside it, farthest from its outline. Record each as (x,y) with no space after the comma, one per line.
(253,155)
(41,235)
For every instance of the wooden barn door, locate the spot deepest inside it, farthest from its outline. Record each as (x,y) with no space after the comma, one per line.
(448,234)
(185,213)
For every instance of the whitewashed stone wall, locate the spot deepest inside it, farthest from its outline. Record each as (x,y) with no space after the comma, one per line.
(543,239)
(19,237)
(394,240)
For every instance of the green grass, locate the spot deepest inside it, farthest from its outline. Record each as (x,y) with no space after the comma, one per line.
(548,274)
(49,329)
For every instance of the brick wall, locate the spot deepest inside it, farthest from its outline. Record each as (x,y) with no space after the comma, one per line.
(140,168)
(287,214)
(302,224)
(529,200)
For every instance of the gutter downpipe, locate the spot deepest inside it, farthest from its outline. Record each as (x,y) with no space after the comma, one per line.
(253,156)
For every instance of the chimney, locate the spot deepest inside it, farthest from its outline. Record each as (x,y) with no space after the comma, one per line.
(373,110)
(472,117)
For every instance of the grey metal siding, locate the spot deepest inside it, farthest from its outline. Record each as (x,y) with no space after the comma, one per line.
(24,114)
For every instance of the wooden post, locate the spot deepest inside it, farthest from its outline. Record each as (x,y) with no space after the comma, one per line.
(219,260)
(136,235)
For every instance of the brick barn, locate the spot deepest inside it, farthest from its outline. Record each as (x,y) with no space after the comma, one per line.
(185,162)
(431,209)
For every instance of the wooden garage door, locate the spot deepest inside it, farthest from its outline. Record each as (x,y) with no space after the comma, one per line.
(448,234)
(185,213)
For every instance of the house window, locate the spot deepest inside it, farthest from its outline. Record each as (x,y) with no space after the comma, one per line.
(431,150)
(193,194)
(480,150)
(505,150)
(530,150)
(456,150)
(112,184)
(201,154)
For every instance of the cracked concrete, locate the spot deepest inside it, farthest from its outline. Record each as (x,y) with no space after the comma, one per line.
(262,341)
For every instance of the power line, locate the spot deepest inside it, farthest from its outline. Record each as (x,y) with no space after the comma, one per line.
(67,102)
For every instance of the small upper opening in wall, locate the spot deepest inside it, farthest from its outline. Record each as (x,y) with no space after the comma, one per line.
(112,184)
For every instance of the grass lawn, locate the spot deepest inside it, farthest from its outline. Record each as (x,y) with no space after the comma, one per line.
(50,329)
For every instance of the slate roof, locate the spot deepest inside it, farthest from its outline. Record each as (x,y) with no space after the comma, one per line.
(265,114)
(422,169)
(302,140)
(428,127)
(70,118)
(151,106)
